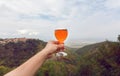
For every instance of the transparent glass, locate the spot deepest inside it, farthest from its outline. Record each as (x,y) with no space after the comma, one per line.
(61,35)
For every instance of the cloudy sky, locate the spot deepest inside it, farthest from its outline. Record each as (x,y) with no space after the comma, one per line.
(86,20)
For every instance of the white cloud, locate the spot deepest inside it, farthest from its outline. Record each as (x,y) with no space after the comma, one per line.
(36,7)
(33,33)
(3,33)
(83,18)
(114,4)
(27,32)
(22,31)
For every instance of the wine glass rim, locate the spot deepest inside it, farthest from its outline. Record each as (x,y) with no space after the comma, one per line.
(61,29)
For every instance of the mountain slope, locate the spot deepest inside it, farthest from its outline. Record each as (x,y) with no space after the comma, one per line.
(15,53)
(90,47)
(101,59)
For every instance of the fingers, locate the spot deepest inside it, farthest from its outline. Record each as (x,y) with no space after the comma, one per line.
(54,42)
(54,47)
(60,47)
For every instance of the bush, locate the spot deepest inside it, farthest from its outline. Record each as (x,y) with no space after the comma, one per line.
(3,70)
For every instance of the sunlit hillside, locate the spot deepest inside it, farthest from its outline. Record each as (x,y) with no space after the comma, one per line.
(99,59)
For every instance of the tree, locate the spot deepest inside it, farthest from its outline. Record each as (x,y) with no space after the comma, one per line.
(119,38)
(4,70)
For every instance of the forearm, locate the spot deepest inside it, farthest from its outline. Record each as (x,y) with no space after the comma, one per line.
(30,67)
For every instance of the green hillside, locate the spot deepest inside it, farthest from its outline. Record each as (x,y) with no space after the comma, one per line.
(100,59)
(12,54)
(89,48)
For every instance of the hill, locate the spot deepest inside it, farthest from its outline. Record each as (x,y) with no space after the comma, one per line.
(91,47)
(100,59)
(16,51)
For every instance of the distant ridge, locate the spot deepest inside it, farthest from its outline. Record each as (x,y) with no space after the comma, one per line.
(7,40)
(92,47)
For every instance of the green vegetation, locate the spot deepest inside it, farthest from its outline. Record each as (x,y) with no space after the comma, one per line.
(119,38)
(3,70)
(13,54)
(100,59)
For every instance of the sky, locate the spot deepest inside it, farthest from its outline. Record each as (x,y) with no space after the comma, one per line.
(86,20)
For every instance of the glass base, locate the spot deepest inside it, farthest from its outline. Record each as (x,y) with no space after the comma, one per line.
(61,54)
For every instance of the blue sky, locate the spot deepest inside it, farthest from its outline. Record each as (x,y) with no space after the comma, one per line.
(86,20)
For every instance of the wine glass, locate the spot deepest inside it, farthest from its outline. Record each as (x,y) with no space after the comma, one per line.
(61,35)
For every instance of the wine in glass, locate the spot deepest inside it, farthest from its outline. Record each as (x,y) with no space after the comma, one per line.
(61,35)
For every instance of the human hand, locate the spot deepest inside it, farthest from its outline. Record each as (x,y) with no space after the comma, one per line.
(53,47)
